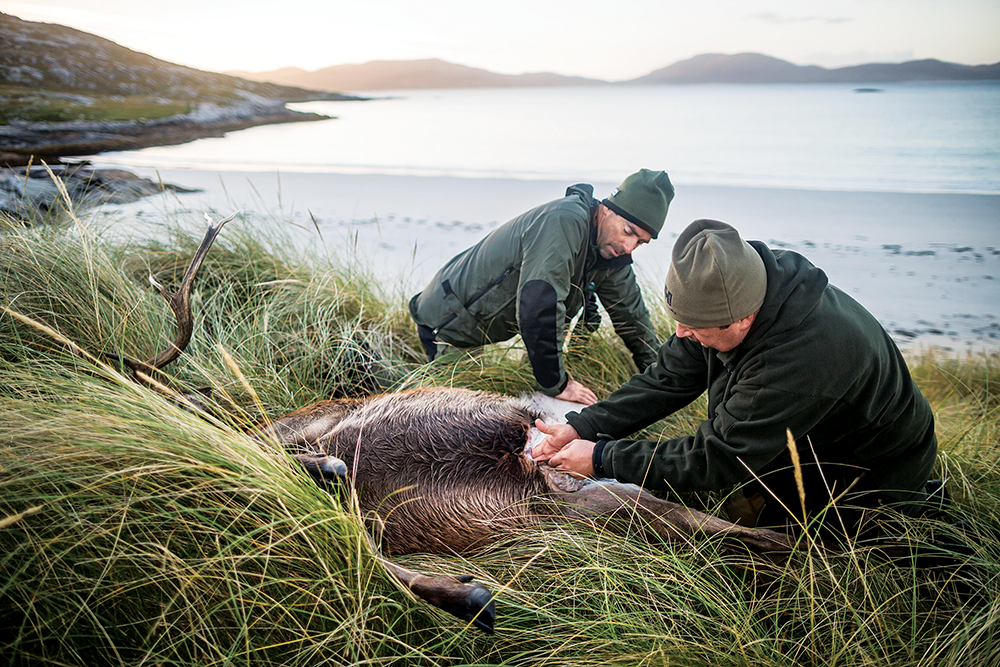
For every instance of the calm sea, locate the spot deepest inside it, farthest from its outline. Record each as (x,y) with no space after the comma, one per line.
(930,137)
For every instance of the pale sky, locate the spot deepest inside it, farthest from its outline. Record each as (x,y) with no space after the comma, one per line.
(604,39)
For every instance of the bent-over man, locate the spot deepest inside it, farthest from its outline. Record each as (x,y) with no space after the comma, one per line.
(533,274)
(776,347)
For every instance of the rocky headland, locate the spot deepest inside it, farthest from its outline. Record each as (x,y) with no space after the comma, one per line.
(22,142)
(67,93)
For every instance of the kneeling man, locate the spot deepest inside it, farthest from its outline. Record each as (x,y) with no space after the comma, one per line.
(532,275)
(777,348)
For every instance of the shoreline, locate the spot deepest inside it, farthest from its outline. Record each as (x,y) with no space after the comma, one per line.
(54,144)
(926,265)
(26,142)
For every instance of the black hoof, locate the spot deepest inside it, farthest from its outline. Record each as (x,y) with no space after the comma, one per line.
(328,472)
(482,600)
(476,608)
(331,466)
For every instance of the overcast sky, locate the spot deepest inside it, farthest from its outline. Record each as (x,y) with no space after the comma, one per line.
(605,39)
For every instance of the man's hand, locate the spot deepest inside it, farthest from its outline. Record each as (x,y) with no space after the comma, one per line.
(577,457)
(577,393)
(556,437)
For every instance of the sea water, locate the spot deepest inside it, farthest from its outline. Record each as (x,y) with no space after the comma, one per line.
(913,137)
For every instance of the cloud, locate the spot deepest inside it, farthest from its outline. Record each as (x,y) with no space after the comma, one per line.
(782,19)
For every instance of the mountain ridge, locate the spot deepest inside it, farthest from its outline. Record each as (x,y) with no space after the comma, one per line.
(411,74)
(758,68)
(747,68)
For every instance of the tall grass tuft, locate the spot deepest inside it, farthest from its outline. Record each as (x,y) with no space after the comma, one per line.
(133,532)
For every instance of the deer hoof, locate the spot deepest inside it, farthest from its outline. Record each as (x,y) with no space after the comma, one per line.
(479,610)
(332,467)
(327,471)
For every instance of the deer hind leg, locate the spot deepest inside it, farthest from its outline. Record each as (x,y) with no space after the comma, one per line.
(607,502)
(470,602)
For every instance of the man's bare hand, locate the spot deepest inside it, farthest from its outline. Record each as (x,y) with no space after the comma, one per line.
(577,457)
(577,393)
(556,437)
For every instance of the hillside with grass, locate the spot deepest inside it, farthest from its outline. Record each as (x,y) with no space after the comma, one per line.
(135,532)
(64,92)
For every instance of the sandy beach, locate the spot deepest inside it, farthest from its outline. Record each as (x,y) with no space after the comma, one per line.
(927,265)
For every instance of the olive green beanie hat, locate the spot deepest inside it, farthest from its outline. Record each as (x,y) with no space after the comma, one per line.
(715,277)
(643,199)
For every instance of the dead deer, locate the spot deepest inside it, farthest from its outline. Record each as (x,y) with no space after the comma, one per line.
(444,470)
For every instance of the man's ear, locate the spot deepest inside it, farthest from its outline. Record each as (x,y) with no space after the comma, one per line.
(745,324)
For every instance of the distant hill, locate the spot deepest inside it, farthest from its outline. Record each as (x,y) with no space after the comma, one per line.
(65,93)
(745,68)
(58,58)
(757,68)
(410,74)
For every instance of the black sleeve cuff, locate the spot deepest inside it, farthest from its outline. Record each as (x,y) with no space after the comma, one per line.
(598,458)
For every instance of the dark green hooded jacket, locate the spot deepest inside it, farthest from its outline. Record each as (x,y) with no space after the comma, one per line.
(814,362)
(529,276)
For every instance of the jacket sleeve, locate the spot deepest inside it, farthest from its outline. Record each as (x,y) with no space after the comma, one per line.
(741,437)
(621,296)
(546,273)
(679,377)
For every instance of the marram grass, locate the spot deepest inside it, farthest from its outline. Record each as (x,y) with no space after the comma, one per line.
(135,533)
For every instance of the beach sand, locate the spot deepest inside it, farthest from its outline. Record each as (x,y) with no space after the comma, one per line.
(926,265)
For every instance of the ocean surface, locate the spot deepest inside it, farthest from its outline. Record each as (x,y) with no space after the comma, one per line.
(917,137)
(895,194)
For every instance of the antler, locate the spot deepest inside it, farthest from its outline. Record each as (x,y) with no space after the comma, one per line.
(180,303)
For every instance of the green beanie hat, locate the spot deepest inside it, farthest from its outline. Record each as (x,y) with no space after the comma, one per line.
(715,277)
(643,199)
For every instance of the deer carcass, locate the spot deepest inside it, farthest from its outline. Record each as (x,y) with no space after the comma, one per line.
(446,470)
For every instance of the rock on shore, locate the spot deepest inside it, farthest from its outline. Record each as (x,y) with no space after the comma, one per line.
(30,194)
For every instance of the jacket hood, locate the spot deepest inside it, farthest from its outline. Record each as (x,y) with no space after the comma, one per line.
(584,190)
(794,288)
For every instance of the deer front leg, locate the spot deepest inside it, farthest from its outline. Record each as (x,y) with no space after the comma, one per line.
(613,502)
(326,471)
(472,603)
(303,431)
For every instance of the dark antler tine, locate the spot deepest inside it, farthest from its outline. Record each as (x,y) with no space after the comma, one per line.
(180,301)
(180,304)
(202,252)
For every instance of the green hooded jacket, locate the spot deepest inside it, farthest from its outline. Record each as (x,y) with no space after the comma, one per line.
(814,362)
(530,276)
